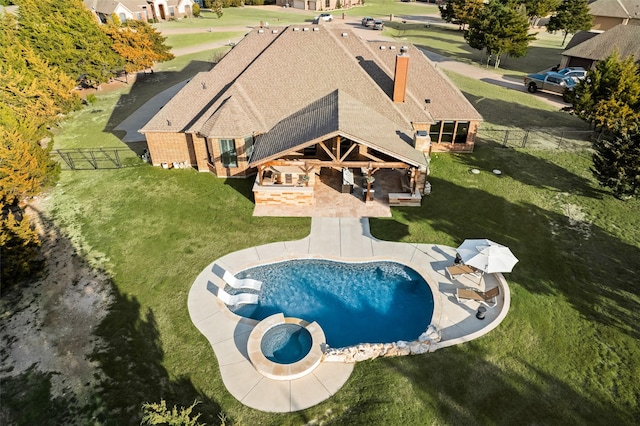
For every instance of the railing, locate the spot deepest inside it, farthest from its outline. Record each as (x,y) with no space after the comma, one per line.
(100,158)
(565,139)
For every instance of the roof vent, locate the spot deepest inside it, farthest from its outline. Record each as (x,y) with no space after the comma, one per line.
(383,47)
(403,50)
(392,48)
(204,85)
(168,123)
(274,31)
(296,29)
(260,31)
(316,29)
(305,29)
(427,101)
(344,34)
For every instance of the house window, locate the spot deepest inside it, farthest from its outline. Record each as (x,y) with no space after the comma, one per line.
(448,127)
(228,153)
(434,131)
(462,132)
(123,17)
(248,146)
(171,12)
(139,16)
(327,4)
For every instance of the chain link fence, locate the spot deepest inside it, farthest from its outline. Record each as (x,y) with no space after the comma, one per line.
(551,138)
(96,159)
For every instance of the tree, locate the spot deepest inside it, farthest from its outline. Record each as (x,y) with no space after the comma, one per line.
(616,162)
(33,94)
(216,7)
(571,16)
(537,9)
(609,96)
(196,10)
(139,44)
(460,12)
(67,35)
(499,30)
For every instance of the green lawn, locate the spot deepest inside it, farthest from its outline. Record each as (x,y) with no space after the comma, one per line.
(567,353)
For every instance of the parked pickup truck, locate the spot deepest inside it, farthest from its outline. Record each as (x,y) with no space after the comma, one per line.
(551,81)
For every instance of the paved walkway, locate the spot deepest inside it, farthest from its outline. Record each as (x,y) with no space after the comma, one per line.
(339,239)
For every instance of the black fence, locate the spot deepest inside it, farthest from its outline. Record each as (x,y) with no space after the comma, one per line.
(95,159)
(557,138)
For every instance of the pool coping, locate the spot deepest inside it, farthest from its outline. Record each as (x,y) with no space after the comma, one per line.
(294,370)
(339,239)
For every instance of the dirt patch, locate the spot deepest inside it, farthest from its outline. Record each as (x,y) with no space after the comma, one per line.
(48,324)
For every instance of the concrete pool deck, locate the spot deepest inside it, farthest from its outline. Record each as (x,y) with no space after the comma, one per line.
(332,238)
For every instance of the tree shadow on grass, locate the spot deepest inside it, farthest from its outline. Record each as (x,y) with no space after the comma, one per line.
(131,361)
(528,169)
(145,87)
(593,270)
(467,389)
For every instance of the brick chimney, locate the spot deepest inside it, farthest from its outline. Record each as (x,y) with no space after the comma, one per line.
(400,76)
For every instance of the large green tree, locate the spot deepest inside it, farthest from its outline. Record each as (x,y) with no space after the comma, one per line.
(537,9)
(616,161)
(68,36)
(460,12)
(498,29)
(609,97)
(139,44)
(571,16)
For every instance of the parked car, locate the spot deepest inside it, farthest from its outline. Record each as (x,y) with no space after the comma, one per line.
(378,25)
(551,81)
(367,21)
(323,17)
(576,73)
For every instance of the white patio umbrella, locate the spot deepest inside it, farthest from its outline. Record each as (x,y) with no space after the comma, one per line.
(487,256)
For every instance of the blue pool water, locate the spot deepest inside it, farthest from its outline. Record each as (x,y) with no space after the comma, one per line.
(374,302)
(286,343)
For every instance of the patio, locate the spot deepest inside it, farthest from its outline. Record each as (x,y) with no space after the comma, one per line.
(331,202)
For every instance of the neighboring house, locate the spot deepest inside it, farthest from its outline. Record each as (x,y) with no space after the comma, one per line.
(318,4)
(598,46)
(288,102)
(609,13)
(140,10)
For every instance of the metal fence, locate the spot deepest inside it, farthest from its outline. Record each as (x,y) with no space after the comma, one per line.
(554,138)
(94,159)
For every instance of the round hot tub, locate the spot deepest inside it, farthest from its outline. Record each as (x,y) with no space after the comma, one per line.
(285,348)
(286,343)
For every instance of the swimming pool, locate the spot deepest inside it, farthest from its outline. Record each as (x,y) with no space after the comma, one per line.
(373,302)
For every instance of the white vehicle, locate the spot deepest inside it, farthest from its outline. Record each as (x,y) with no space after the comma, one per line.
(323,17)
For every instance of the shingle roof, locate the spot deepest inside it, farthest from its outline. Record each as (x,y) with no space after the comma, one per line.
(624,38)
(615,8)
(333,114)
(274,73)
(580,37)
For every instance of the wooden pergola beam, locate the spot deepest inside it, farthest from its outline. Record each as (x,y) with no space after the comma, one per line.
(337,163)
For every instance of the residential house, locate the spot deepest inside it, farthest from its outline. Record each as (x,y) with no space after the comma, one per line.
(598,46)
(609,13)
(319,5)
(286,103)
(140,10)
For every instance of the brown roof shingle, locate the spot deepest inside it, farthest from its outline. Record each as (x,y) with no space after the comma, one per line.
(272,74)
(624,38)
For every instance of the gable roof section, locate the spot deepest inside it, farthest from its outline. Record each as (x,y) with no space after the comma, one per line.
(580,37)
(624,38)
(333,114)
(615,8)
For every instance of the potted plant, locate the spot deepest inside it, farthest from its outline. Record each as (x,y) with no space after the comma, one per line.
(305,179)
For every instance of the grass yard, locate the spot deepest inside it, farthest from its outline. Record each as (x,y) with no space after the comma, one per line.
(567,353)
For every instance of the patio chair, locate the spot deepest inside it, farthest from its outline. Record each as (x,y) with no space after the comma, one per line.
(461,269)
(488,298)
(237,299)
(234,282)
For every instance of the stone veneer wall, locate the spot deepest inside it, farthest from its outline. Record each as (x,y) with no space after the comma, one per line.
(282,196)
(365,351)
